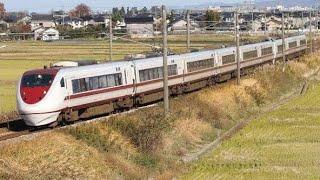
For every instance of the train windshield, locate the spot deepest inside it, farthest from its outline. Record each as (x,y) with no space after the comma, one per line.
(35,80)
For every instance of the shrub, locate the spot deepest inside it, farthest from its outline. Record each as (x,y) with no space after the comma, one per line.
(145,129)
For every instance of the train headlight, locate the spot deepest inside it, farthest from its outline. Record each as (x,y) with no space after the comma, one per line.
(44,92)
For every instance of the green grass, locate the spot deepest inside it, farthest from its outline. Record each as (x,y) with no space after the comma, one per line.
(283,144)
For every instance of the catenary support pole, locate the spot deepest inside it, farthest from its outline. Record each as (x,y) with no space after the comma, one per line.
(310,32)
(188,31)
(165,62)
(237,34)
(283,41)
(110,38)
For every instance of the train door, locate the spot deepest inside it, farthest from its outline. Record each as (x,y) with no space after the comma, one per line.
(132,77)
(68,91)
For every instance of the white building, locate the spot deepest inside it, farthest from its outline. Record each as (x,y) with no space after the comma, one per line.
(140,26)
(181,26)
(50,35)
(43,34)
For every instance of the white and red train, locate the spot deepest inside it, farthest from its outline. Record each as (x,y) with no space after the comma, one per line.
(49,95)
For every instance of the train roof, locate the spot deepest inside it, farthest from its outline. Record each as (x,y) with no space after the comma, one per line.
(200,54)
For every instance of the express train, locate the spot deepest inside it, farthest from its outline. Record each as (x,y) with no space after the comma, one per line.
(72,92)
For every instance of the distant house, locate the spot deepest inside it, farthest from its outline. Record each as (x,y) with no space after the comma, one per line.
(256,25)
(74,22)
(181,26)
(221,26)
(99,20)
(50,34)
(43,34)
(42,20)
(38,33)
(273,25)
(140,26)
(227,16)
(3,25)
(25,20)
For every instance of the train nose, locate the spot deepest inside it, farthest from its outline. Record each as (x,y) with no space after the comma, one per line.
(32,95)
(40,119)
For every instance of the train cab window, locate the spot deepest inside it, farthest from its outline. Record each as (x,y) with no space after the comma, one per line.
(228,59)
(266,51)
(62,84)
(35,80)
(303,42)
(250,55)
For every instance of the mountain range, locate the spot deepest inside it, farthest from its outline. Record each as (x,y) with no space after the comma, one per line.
(258,3)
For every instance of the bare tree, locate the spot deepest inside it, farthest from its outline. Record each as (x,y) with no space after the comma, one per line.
(80,10)
(2,11)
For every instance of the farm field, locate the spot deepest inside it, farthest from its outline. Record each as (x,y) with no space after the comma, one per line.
(283,144)
(19,56)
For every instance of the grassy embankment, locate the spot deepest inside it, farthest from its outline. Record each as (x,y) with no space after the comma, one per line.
(20,56)
(143,144)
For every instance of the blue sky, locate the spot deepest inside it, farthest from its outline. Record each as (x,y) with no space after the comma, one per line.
(47,5)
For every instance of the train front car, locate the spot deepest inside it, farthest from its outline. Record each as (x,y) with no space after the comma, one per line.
(39,98)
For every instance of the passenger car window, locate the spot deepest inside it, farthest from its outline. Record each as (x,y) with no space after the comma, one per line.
(76,86)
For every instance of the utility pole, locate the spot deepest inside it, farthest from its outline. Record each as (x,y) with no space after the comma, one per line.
(317,21)
(238,46)
(265,24)
(283,41)
(310,32)
(188,31)
(165,62)
(111,38)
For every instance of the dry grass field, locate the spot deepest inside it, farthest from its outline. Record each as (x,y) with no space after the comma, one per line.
(20,56)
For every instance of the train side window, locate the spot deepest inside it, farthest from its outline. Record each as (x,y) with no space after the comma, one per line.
(114,80)
(103,82)
(280,48)
(202,64)
(303,42)
(266,51)
(228,59)
(62,84)
(250,54)
(172,70)
(111,81)
(156,73)
(76,86)
(83,85)
(293,44)
(160,71)
(118,79)
(94,83)
(141,75)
